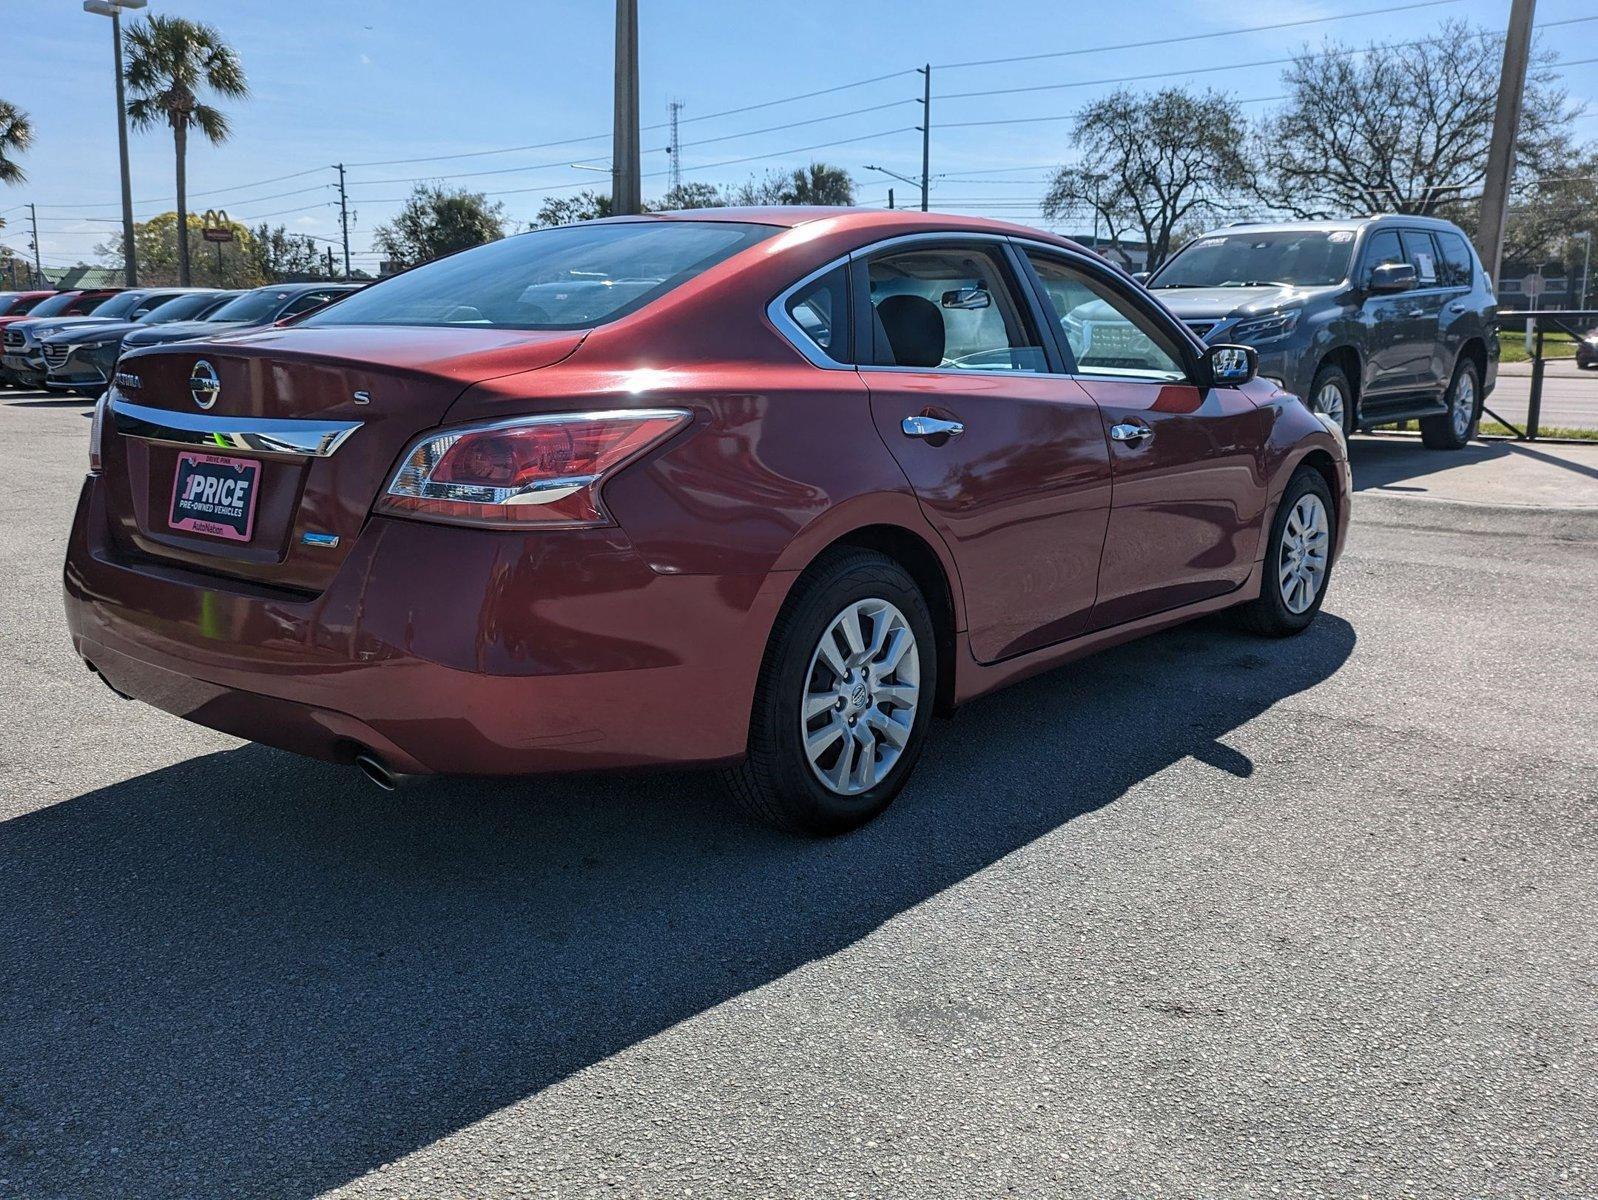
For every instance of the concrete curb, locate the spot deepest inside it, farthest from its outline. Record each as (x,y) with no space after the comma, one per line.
(1575,523)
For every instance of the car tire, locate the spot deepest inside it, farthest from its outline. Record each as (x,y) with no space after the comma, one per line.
(1454,429)
(795,775)
(1332,379)
(1299,554)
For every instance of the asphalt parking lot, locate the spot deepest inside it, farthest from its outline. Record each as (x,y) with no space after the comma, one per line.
(1203,916)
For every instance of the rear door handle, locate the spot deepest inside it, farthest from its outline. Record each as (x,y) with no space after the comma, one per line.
(926,427)
(1128,432)
(1456,308)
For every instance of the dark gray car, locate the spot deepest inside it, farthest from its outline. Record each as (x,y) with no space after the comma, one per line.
(1371,321)
(257,307)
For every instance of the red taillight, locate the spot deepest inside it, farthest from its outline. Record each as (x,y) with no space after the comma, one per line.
(531,471)
(97,431)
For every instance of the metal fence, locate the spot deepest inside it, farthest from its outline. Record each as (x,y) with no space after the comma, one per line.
(1577,322)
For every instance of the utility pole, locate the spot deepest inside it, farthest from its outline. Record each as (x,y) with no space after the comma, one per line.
(626,188)
(344,220)
(113,9)
(926,130)
(675,149)
(38,266)
(1506,123)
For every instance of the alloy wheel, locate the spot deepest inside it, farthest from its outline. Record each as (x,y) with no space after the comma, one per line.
(1462,410)
(1306,541)
(1329,401)
(861,694)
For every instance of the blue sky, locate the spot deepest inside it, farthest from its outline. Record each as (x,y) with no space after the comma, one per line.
(337,80)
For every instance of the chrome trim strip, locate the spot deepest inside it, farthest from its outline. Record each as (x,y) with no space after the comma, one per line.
(308,439)
(777,313)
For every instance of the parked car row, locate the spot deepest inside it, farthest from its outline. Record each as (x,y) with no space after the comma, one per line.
(70,341)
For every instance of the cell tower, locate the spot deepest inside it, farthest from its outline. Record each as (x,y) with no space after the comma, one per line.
(675,149)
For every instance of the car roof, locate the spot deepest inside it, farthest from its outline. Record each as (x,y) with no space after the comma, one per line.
(885,221)
(1333,226)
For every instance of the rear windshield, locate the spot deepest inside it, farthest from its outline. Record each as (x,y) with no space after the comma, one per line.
(1301,258)
(570,277)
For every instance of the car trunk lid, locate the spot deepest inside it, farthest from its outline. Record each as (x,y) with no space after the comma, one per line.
(324,411)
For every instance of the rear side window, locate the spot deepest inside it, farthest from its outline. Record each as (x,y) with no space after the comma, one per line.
(1422,255)
(820,311)
(950,308)
(569,277)
(1456,268)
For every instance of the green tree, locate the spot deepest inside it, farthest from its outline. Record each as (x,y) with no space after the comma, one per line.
(16,135)
(819,183)
(171,62)
(1402,129)
(1151,163)
(586,205)
(436,221)
(278,254)
(212,264)
(690,195)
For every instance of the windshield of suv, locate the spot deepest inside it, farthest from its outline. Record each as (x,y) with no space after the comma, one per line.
(55,305)
(257,306)
(180,308)
(1298,258)
(571,277)
(122,304)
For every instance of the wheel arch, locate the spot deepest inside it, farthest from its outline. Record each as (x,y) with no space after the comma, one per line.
(1348,360)
(1322,463)
(1474,350)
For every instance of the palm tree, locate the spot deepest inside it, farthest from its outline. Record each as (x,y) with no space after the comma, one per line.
(170,60)
(16,134)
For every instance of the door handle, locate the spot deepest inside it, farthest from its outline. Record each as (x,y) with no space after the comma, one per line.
(1456,308)
(926,427)
(1128,432)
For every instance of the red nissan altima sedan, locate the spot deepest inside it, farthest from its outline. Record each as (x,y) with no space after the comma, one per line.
(762,488)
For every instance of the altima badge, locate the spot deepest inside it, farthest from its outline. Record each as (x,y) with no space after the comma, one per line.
(204,386)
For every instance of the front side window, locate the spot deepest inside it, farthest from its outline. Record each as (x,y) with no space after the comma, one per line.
(1382,249)
(1422,255)
(1299,257)
(1106,333)
(820,311)
(951,308)
(570,277)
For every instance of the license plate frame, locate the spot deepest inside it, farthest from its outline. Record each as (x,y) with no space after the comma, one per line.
(217,511)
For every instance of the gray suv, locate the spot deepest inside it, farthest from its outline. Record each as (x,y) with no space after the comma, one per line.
(1371,321)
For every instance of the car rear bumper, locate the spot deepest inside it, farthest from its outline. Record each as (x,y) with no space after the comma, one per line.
(439,649)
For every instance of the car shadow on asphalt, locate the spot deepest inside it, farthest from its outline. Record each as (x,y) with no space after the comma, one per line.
(252,973)
(1387,463)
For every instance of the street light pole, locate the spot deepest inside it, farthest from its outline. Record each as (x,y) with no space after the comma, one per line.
(926,131)
(113,9)
(626,188)
(1586,264)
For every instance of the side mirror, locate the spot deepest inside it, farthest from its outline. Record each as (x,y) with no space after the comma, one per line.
(1392,277)
(968,298)
(1141,276)
(1231,366)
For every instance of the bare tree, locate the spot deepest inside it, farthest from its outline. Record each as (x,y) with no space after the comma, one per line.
(1400,128)
(1150,164)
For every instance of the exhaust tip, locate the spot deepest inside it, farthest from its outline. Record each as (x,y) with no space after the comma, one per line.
(374,769)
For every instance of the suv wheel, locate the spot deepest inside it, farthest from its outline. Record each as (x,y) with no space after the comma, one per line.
(843,700)
(1454,429)
(1332,394)
(1298,560)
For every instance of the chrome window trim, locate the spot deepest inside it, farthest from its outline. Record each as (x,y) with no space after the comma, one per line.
(777,313)
(306,439)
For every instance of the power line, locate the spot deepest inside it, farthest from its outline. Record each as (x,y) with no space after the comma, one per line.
(1192,37)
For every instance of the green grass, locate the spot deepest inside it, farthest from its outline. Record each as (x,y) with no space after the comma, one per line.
(1512,345)
(1577,435)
